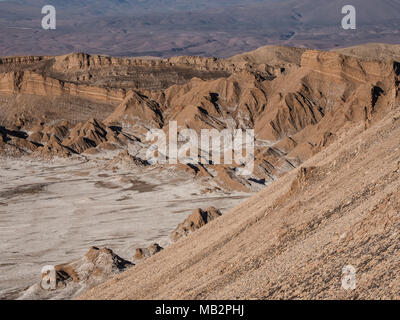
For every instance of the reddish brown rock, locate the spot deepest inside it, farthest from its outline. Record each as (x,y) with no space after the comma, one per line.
(195,221)
(53,148)
(142,253)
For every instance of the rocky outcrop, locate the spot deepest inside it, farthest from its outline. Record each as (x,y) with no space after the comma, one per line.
(142,253)
(195,221)
(97,265)
(88,135)
(32,83)
(14,142)
(53,148)
(23,60)
(137,109)
(83,61)
(125,160)
(73,278)
(64,139)
(42,132)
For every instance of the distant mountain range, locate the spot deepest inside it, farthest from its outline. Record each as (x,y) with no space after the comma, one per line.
(188,27)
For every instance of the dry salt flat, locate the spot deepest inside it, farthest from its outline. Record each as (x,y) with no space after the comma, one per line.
(51,212)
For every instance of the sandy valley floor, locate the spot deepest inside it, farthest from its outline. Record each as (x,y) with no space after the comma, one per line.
(52,212)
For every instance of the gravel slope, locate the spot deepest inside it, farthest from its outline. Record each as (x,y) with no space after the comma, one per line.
(292,239)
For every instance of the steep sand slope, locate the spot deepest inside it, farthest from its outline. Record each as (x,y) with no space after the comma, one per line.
(292,239)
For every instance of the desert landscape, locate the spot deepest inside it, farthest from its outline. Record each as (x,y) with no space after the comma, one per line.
(165,28)
(79,193)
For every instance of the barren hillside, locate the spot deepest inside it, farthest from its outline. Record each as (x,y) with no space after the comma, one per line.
(326,147)
(291,240)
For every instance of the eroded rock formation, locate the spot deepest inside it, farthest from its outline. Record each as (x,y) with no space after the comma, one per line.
(296,100)
(73,278)
(195,221)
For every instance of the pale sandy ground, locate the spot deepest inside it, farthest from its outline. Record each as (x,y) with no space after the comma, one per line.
(52,212)
(292,243)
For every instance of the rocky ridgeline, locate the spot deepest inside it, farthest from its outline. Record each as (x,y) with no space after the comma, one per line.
(295,111)
(34,83)
(107,79)
(85,76)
